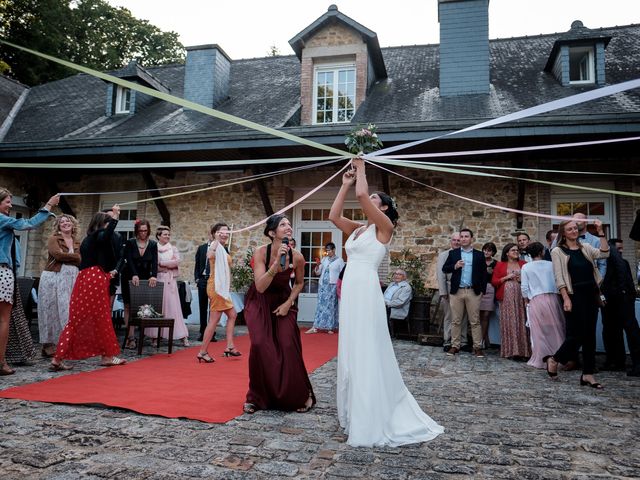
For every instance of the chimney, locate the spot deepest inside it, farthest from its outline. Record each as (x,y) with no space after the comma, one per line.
(206,75)
(464,47)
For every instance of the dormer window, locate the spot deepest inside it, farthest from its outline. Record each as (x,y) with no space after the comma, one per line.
(334,93)
(581,65)
(123,100)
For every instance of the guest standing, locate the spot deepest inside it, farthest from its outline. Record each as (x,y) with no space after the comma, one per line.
(141,254)
(578,279)
(201,273)
(546,319)
(218,291)
(619,312)
(56,282)
(488,300)
(326,316)
(9,262)
(89,331)
(277,375)
(168,262)
(514,339)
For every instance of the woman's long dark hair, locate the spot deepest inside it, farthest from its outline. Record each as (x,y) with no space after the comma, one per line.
(391,210)
(98,222)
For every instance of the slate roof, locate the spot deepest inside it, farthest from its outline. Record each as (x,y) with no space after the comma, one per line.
(10,92)
(267,91)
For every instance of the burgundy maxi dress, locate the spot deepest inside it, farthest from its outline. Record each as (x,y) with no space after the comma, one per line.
(278,378)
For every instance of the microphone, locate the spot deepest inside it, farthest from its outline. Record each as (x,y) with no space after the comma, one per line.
(283,257)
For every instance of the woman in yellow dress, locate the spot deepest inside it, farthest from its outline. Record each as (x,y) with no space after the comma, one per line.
(218,292)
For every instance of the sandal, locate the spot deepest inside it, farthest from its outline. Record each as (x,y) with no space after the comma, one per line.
(249,408)
(595,385)
(231,352)
(6,370)
(312,330)
(131,344)
(114,361)
(308,405)
(205,357)
(185,342)
(59,367)
(552,374)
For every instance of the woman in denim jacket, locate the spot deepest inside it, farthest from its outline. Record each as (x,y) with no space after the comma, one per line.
(9,262)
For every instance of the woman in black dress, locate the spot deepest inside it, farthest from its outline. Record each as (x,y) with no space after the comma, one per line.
(141,254)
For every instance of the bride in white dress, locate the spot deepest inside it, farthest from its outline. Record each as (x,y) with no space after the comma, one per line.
(374,406)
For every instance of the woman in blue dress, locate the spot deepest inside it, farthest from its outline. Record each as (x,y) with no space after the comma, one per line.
(327,310)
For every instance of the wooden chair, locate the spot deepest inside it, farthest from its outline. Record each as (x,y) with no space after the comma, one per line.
(146,295)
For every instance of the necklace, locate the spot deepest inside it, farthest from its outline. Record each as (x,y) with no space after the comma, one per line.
(142,247)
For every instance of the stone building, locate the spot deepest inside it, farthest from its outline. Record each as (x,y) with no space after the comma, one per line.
(83,135)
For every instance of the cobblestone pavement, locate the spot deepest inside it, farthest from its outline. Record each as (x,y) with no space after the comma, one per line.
(503,419)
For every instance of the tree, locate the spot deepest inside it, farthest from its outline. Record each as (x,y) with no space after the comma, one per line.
(274,51)
(88,32)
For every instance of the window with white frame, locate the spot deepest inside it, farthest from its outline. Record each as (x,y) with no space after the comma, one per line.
(593,206)
(128,213)
(334,94)
(123,100)
(581,65)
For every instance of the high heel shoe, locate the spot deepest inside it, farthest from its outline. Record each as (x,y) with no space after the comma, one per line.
(551,374)
(204,357)
(231,352)
(595,385)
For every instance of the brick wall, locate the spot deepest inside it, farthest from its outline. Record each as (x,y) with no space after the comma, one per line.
(337,43)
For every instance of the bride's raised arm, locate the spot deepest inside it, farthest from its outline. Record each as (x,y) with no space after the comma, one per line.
(374,214)
(335,214)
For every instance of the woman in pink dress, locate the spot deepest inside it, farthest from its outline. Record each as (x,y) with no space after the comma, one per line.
(168,261)
(546,318)
(514,339)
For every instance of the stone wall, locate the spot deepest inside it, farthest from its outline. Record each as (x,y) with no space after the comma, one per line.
(427,217)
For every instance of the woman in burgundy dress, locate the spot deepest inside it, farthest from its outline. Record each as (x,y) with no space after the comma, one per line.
(89,331)
(277,375)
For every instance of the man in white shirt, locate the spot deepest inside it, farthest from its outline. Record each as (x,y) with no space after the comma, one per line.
(397,298)
(444,286)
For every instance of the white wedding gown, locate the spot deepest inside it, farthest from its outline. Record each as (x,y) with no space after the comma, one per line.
(374,406)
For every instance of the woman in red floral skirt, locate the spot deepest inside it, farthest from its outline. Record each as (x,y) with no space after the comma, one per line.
(89,331)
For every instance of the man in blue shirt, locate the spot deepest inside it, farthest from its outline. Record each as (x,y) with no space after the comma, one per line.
(468,283)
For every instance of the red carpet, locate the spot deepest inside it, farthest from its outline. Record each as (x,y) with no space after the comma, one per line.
(173,386)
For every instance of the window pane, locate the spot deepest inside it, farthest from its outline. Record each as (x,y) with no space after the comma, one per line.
(580,207)
(306,215)
(347,213)
(316,239)
(317,214)
(596,208)
(326,237)
(325,214)
(580,64)
(564,209)
(306,239)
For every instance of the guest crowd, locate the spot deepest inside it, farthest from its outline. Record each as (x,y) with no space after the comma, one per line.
(548,296)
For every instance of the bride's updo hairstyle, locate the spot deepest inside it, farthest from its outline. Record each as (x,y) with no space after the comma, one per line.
(272,225)
(391,210)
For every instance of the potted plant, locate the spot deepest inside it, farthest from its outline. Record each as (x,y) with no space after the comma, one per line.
(242,273)
(416,268)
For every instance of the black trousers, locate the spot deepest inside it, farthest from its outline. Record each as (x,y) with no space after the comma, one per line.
(203,305)
(581,329)
(619,316)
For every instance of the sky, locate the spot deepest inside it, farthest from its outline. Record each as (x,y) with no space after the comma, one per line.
(248,28)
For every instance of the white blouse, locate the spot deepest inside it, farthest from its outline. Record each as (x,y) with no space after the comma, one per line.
(537,278)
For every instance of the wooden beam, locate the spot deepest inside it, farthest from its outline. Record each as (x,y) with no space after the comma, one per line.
(160,205)
(262,191)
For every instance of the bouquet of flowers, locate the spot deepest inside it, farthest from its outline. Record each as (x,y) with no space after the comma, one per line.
(363,140)
(147,311)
